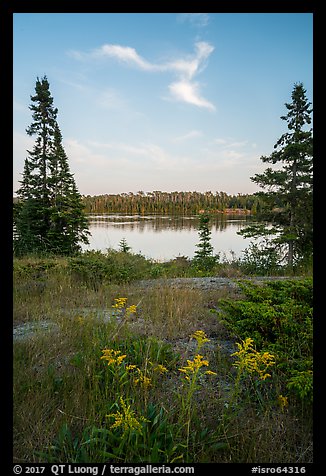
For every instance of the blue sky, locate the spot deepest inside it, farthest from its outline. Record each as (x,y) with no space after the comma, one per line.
(157,101)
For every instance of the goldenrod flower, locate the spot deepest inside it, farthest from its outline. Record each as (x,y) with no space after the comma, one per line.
(210,372)
(194,366)
(119,303)
(200,337)
(131,367)
(112,356)
(283,401)
(254,362)
(131,310)
(142,380)
(160,368)
(127,419)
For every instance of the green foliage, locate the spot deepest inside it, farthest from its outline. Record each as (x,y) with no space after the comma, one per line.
(123,246)
(171,203)
(287,203)
(301,383)
(179,266)
(74,448)
(261,259)
(204,260)
(142,430)
(156,444)
(33,269)
(63,390)
(49,215)
(140,349)
(94,267)
(278,316)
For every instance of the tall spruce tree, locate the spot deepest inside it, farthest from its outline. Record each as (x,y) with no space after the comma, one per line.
(49,214)
(289,190)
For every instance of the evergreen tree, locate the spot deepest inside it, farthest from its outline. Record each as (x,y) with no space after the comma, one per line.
(68,222)
(123,246)
(289,190)
(49,214)
(204,258)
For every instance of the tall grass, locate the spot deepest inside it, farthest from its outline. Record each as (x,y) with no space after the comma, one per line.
(109,382)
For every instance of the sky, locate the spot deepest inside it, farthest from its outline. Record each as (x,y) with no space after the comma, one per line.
(161,101)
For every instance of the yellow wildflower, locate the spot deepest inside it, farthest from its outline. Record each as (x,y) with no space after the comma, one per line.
(112,356)
(210,372)
(254,362)
(194,365)
(160,368)
(131,310)
(200,337)
(142,380)
(119,303)
(283,401)
(127,419)
(131,367)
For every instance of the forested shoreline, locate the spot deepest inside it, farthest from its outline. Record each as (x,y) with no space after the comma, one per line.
(183,203)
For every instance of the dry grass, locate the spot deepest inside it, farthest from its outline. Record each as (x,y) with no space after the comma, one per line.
(56,372)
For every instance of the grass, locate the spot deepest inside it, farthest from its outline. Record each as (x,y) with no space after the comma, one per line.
(71,405)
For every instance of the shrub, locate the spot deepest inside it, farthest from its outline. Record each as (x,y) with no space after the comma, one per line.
(278,316)
(260,259)
(94,267)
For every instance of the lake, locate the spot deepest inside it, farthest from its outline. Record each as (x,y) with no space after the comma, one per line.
(165,237)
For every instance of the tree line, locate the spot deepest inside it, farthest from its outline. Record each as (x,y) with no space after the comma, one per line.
(169,203)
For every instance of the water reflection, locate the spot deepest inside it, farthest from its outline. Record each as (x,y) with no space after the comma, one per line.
(165,237)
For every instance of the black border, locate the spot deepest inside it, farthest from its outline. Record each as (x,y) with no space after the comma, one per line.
(8,8)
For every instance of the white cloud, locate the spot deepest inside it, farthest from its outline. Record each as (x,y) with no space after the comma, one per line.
(125,54)
(233,154)
(73,84)
(114,167)
(111,99)
(77,55)
(189,135)
(187,91)
(220,141)
(81,154)
(185,69)
(195,19)
(137,156)
(194,64)
(231,145)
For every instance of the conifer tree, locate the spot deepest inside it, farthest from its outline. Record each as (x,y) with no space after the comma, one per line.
(289,190)
(49,215)
(204,259)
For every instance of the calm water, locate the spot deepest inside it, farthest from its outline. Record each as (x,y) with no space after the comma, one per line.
(165,237)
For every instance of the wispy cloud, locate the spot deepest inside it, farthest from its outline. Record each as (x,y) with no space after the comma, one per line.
(184,89)
(195,19)
(111,99)
(189,135)
(125,54)
(188,91)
